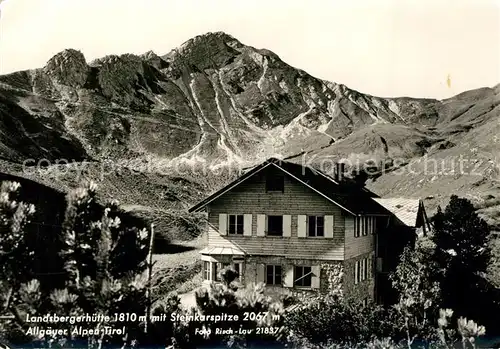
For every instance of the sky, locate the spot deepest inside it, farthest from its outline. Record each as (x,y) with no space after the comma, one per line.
(388,48)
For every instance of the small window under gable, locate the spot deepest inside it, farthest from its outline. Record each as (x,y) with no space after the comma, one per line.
(275,225)
(275,182)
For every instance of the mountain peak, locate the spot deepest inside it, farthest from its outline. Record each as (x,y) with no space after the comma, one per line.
(116,59)
(149,55)
(152,58)
(209,50)
(213,36)
(68,67)
(68,54)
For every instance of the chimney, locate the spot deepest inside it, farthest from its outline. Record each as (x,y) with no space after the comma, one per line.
(339,171)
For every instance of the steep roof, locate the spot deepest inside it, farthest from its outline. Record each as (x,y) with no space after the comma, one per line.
(406,210)
(353,199)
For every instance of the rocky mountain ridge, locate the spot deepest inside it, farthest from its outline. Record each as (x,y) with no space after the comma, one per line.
(215,100)
(231,98)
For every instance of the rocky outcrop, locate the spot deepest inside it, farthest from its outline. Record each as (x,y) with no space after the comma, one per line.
(68,68)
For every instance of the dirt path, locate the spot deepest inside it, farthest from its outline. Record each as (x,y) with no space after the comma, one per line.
(188,300)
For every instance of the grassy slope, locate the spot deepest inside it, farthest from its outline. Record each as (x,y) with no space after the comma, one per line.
(439,173)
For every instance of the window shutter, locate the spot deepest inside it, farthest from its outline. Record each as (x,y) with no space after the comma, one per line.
(362,265)
(356,272)
(288,279)
(301,226)
(316,276)
(362,276)
(287,225)
(223,224)
(261,273)
(374,224)
(329,227)
(247,225)
(261,225)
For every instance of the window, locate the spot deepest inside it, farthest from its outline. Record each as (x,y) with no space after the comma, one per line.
(206,270)
(216,268)
(365,302)
(273,274)
(316,226)
(237,268)
(275,182)
(303,276)
(235,224)
(275,225)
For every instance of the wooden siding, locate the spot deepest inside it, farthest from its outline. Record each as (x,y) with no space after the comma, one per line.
(355,246)
(250,197)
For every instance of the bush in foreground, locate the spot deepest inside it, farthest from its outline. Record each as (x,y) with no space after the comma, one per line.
(103,264)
